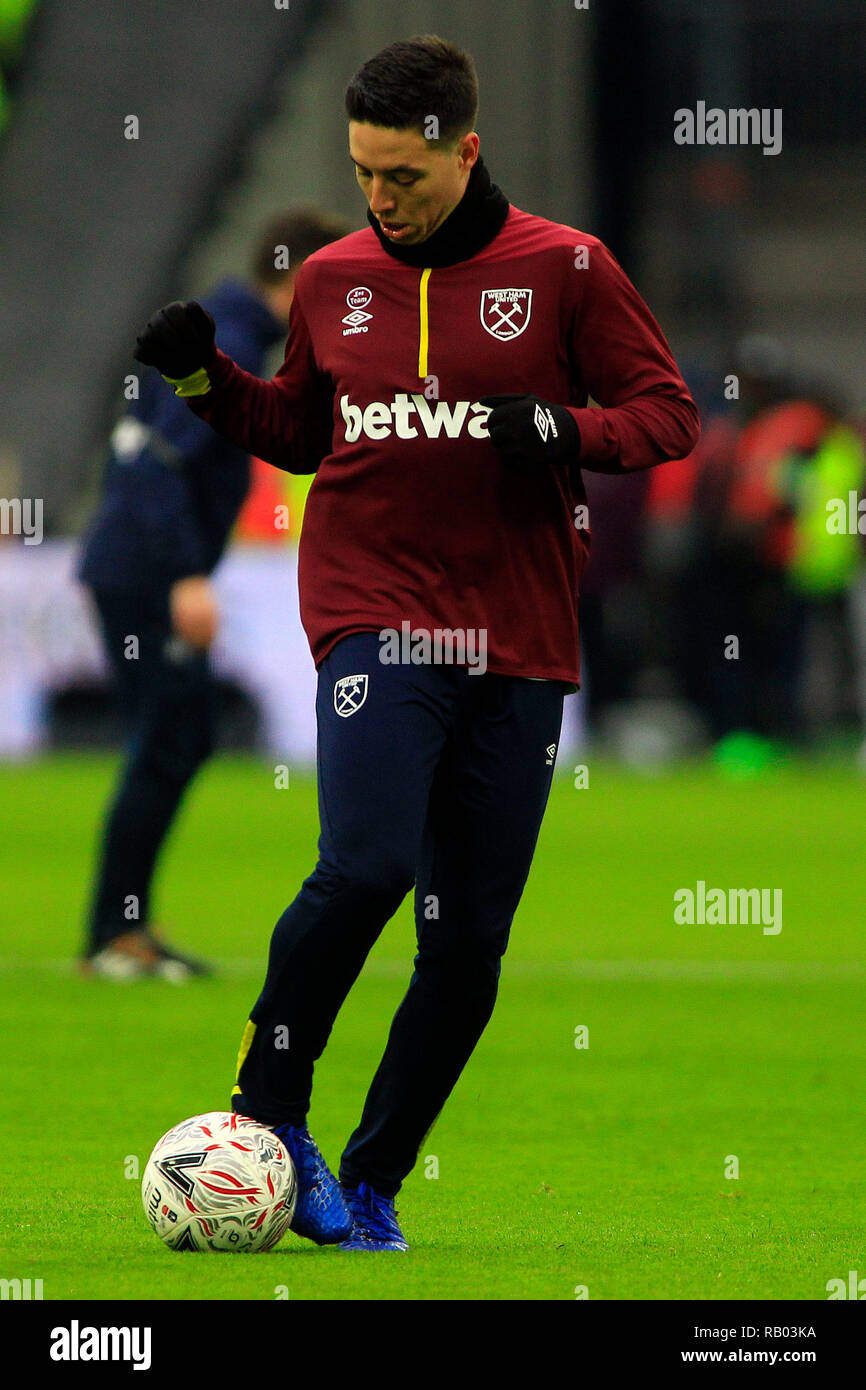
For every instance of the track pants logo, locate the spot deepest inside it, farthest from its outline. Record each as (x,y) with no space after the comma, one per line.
(350,692)
(410,416)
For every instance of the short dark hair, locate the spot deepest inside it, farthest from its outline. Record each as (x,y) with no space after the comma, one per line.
(411,80)
(302,230)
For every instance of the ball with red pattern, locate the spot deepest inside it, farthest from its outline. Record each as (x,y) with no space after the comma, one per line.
(219,1181)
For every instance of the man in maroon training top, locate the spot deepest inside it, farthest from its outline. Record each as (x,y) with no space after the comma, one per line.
(436,380)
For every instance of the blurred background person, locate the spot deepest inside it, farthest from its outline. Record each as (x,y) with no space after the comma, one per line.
(751,582)
(820,481)
(172,491)
(613,606)
(788,573)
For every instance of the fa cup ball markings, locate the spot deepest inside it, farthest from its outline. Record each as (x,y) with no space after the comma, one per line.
(219,1181)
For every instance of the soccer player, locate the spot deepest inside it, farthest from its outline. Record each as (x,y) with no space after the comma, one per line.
(171,494)
(437,376)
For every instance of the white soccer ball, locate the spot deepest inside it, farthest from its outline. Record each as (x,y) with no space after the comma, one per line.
(219,1182)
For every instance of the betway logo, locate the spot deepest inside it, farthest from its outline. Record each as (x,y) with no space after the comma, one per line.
(409,416)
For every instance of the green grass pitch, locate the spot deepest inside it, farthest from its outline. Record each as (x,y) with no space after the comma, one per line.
(559,1167)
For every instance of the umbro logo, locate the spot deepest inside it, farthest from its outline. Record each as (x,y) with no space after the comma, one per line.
(550,750)
(357,318)
(545,423)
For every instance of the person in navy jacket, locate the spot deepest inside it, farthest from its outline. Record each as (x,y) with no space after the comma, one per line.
(171,493)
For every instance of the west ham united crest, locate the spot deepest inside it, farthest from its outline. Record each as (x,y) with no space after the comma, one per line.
(506,313)
(350,692)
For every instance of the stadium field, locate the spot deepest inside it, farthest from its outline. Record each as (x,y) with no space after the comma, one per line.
(603,1170)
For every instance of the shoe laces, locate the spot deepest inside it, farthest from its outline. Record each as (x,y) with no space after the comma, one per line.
(307,1155)
(379,1216)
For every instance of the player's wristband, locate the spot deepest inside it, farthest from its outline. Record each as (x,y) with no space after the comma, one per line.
(198,384)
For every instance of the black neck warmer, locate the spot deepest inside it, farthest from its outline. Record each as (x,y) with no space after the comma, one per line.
(475,221)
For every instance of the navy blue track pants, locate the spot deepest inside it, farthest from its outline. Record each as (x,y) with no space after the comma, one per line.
(427,775)
(166,692)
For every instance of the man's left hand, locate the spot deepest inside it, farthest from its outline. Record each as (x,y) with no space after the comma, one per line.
(531,433)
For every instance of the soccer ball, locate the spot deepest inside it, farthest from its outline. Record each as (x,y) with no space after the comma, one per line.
(219,1182)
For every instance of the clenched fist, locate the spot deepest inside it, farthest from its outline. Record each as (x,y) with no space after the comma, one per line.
(179,340)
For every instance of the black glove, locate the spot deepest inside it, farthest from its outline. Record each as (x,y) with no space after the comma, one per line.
(531,433)
(178,340)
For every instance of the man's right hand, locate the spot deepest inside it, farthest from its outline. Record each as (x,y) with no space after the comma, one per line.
(194,611)
(178,341)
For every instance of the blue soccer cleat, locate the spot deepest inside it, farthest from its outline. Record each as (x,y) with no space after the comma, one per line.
(375,1225)
(321,1214)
